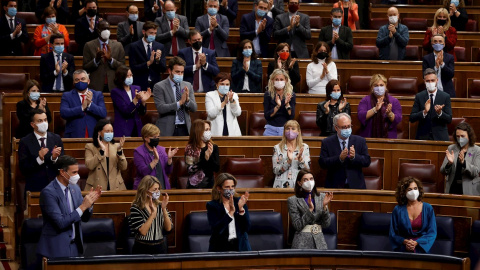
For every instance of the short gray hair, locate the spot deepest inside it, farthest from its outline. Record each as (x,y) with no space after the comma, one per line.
(80,71)
(340,115)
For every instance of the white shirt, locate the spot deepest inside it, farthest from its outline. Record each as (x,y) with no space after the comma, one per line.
(334,49)
(232,232)
(89,19)
(245,82)
(314,71)
(200,84)
(145,45)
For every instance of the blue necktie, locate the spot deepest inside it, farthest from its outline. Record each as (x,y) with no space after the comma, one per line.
(58,80)
(69,211)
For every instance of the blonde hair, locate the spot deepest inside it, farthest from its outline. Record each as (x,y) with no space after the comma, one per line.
(288,85)
(378,77)
(149,130)
(298,140)
(141,198)
(447,14)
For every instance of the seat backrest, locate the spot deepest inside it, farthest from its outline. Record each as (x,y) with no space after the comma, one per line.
(256,124)
(198,232)
(471,26)
(315,22)
(444,243)
(376,23)
(150,117)
(179,176)
(266,230)
(83,172)
(374,232)
(423,172)
(59,124)
(415,23)
(29,17)
(474,89)
(31,231)
(308,124)
(99,237)
(247,171)
(128,239)
(412,53)
(364,52)
(72,47)
(330,232)
(358,85)
(460,53)
(374,174)
(474,250)
(129,174)
(402,86)
(12,82)
(451,127)
(115,18)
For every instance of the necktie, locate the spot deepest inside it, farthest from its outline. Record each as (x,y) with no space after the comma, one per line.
(58,80)
(196,75)
(212,43)
(67,201)
(174,41)
(432,106)
(149,52)
(86,127)
(343,145)
(180,112)
(12,26)
(42,142)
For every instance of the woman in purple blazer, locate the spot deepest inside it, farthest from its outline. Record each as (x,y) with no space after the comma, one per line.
(379,113)
(129,102)
(152,159)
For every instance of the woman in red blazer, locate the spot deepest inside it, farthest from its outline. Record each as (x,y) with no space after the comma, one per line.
(441,26)
(352,15)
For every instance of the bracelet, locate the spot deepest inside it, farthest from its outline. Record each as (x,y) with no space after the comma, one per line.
(374,110)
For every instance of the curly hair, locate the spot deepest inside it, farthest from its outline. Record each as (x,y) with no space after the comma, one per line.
(402,186)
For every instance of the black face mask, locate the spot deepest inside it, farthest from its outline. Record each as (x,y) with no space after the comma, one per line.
(322,55)
(154,142)
(441,22)
(197,45)
(91,12)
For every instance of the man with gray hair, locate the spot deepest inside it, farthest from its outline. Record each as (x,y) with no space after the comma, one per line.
(344,155)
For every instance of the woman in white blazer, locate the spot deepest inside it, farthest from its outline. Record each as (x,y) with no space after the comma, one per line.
(223,108)
(462,163)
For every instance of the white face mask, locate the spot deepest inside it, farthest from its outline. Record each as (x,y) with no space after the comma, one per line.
(412,195)
(431,86)
(42,127)
(207,135)
(156,195)
(279,84)
(73,179)
(393,19)
(308,185)
(105,34)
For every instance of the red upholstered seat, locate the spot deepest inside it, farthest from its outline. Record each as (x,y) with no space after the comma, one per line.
(402,86)
(179,176)
(413,53)
(115,18)
(72,47)
(415,23)
(376,23)
(150,117)
(471,26)
(374,174)
(12,82)
(358,85)
(423,172)
(308,125)
(247,171)
(256,124)
(59,124)
(315,22)
(29,17)
(474,89)
(364,52)
(460,53)
(451,127)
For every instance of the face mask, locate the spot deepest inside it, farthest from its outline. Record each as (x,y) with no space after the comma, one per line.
(322,55)
(156,195)
(133,17)
(412,195)
(73,179)
(105,34)
(292,8)
(91,12)
(177,78)
(462,141)
(197,45)
(207,135)
(129,81)
(284,55)
(59,48)
(431,86)
(154,142)
(345,133)
(12,11)
(42,127)
(261,13)
(108,136)
(393,19)
(170,15)
(80,86)
(51,20)
(279,84)
(438,47)
(379,90)
(247,52)
(150,38)
(212,11)
(34,95)
(227,193)
(223,89)
(335,95)
(336,21)
(291,135)
(455,2)
(308,185)
(441,22)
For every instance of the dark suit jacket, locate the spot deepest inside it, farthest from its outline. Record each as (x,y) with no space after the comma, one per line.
(127,114)
(297,35)
(432,126)
(82,32)
(47,67)
(344,42)
(37,176)
(165,37)
(351,169)
(124,36)
(247,31)
(202,24)
(23,114)
(57,221)
(231,12)
(9,46)
(138,63)
(77,119)
(448,71)
(149,14)
(254,74)
(207,75)
(62,11)
(219,220)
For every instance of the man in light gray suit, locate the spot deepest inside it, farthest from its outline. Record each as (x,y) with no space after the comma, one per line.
(293,27)
(214,25)
(174,100)
(173,29)
(130,30)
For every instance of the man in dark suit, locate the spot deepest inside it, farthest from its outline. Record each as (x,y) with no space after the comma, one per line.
(147,58)
(214,25)
(60,6)
(102,57)
(86,25)
(130,30)
(258,27)
(153,9)
(63,209)
(56,67)
(293,28)
(38,152)
(201,64)
(81,107)
(337,36)
(344,155)
(432,109)
(173,29)
(13,31)
(442,63)
(229,8)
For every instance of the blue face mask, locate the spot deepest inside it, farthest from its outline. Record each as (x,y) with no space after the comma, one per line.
(133,17)
(150,38)
(108,136)
(170,15)
(81,86)
(129,81)
(34,95)
(261,13)
(223,89)
(212,11)
(51,20)
(346,132)
(335,95)
(58,48)
(336,21)
(247,52)
(438,47)
(12,11)
(177,78)
(455,2)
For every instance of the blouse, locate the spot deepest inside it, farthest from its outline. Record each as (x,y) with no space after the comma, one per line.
(138,217)
(285,173)
(281,117)
(199,169)
(41,45)
(325,121)
(315,84)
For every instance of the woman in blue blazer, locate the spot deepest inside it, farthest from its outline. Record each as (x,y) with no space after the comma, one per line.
(229,230)
(246,67)
(129,102)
